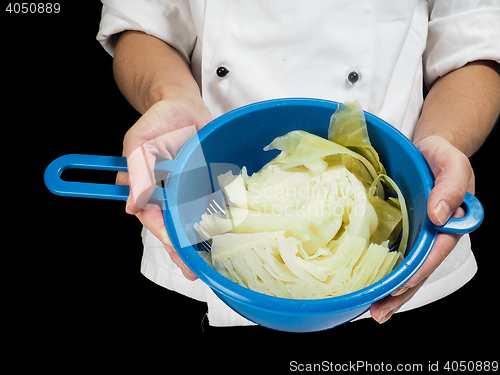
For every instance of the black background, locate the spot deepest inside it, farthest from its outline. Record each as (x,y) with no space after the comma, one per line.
(71,267)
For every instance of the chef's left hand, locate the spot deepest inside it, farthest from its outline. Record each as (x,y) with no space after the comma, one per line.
(453,177)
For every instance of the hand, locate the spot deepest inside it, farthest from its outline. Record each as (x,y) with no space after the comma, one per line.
(158,135)
(453,177)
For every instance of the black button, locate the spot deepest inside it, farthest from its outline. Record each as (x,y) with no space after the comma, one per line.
(222,71)
(353,77)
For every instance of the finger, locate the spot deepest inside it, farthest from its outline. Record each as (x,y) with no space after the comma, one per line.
(443,246)
(122,179)
(140,165)
(153,220)
(188,274)
(382,310)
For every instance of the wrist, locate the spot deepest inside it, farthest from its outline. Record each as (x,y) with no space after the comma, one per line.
(423,142)
(445,128)
(190,100)
(172,93)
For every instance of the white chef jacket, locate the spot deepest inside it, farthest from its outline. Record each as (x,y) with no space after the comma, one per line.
(297,48)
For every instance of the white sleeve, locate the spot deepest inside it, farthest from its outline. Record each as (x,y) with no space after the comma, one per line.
(168,20)
(460,32)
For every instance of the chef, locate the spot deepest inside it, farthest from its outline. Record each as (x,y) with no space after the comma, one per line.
(182,63)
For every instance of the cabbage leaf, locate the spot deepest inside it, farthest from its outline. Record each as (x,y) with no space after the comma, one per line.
(348,128)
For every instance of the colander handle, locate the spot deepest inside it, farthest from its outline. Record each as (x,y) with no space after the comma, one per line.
(58,186)
(473,217)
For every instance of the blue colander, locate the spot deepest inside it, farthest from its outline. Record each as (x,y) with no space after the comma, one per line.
(237,139)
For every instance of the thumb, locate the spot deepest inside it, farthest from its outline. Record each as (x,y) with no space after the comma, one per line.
(453,178)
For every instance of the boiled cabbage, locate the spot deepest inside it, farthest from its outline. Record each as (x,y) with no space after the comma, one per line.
(316,221)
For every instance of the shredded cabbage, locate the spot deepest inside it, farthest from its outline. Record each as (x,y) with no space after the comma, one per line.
(316,221)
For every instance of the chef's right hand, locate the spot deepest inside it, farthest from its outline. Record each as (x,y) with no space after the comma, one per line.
(158,135)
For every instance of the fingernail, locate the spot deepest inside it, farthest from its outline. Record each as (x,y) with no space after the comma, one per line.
(400,291)
(443,212)
(127,205)
(385,314)
(188,274)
